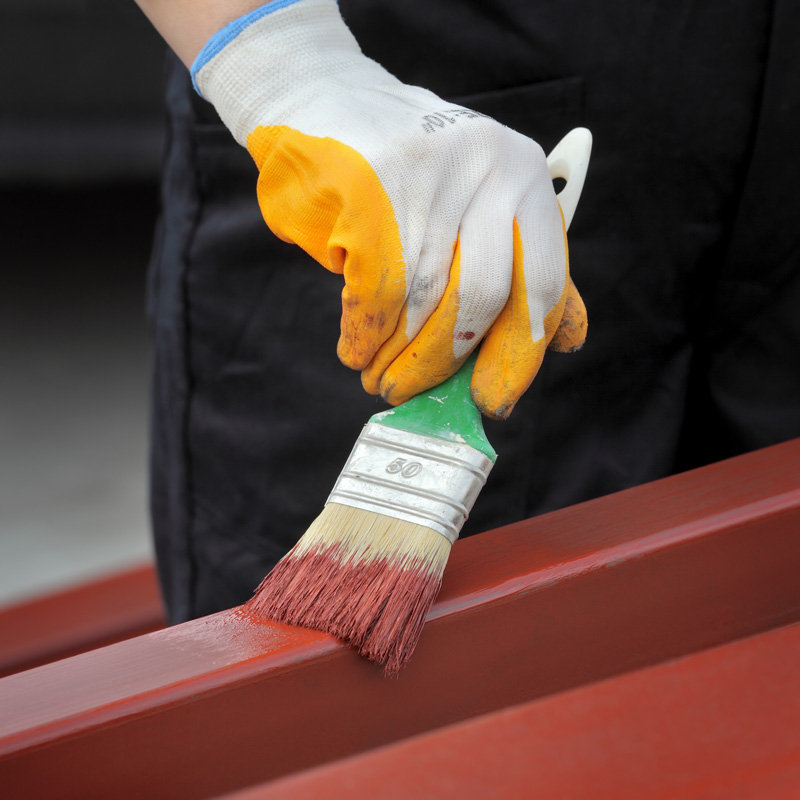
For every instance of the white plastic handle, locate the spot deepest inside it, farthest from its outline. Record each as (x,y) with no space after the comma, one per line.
(570,160)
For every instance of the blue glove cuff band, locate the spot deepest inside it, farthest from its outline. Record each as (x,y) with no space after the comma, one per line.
(226,35)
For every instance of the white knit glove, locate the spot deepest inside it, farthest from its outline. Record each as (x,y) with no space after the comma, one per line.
(443,222)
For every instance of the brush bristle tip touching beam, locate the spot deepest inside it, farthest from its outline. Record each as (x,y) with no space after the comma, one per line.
(365,577)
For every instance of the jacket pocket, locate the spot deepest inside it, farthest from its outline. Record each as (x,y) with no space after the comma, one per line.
(545,111)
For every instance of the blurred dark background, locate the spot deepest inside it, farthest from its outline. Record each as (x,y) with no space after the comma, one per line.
(80,144)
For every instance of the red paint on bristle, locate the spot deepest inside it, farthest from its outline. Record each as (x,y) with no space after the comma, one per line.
(377,606)
(394,635)
(293,587)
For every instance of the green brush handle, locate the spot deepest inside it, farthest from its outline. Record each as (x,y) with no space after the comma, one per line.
(445,412)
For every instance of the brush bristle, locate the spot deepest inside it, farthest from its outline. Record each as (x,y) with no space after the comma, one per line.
(367,578)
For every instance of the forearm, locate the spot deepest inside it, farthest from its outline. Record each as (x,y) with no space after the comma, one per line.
(186,25)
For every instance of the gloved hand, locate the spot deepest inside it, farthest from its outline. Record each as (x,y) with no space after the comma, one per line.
(443,222)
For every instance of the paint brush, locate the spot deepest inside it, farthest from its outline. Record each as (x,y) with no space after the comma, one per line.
(370,566)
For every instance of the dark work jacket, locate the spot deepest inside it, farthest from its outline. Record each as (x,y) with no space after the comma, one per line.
(685,248)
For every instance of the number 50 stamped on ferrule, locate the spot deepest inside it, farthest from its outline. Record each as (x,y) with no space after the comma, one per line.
(413,477)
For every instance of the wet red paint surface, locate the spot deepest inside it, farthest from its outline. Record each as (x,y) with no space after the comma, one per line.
(724,723)
(525,612)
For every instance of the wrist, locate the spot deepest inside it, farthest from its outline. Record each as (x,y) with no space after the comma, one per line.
(186,25)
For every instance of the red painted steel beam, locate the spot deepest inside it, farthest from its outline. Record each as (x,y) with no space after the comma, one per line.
(71,621)
(724,723)
(552,603)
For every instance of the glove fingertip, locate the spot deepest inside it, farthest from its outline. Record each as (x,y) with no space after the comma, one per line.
(393,395)
(491,394)
(570,334)
(370,381)
(352,357)
(496,412)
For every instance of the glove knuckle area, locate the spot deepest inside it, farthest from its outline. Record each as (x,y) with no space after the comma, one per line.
(324,196)
(372,374)
(461,153)
(541,252)
(487,257)
(522,161)
(483,293)
(429,358)
(369,317)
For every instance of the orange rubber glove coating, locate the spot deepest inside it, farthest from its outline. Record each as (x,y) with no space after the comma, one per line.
(323,196)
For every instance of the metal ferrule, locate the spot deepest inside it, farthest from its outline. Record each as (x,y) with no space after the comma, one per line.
(412,477)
